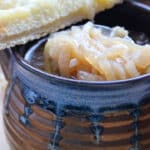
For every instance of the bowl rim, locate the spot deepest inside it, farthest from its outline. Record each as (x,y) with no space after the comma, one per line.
(23,63)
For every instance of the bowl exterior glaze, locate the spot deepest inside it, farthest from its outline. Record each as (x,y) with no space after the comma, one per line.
(43,112)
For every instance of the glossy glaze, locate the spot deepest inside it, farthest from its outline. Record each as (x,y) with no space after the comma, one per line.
(56,113)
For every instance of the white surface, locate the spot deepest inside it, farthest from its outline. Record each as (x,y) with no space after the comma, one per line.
(3,141)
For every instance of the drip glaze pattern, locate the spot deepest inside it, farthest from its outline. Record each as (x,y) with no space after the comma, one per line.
(70,116)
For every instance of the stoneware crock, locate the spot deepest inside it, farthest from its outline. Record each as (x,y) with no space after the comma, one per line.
(43,111)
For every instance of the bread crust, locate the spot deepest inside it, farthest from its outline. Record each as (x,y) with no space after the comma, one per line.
(21,22)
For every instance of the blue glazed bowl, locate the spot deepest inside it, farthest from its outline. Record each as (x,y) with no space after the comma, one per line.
(52,112)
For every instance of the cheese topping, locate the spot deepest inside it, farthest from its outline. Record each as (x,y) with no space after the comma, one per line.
(86,53)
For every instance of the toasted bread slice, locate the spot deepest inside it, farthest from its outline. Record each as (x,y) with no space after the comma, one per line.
(23,21)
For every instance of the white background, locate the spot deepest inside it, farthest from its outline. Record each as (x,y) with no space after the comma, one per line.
(3,141)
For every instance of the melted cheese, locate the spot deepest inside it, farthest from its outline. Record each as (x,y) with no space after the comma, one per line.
(86,53)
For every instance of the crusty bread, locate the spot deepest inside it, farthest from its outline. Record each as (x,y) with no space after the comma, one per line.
(23,21)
